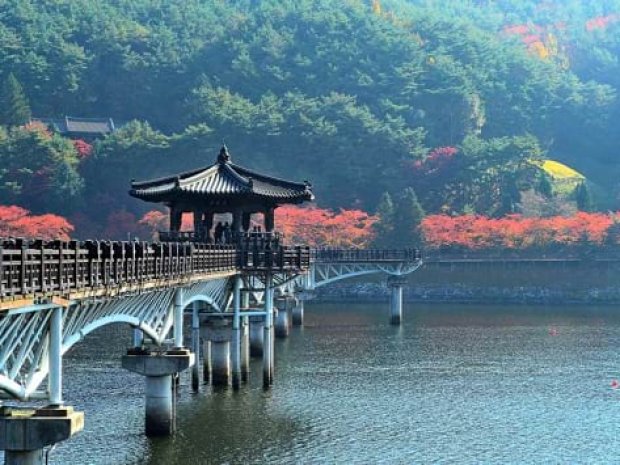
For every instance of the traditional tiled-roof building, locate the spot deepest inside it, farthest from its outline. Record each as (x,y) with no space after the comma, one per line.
(79,128)
(223,187)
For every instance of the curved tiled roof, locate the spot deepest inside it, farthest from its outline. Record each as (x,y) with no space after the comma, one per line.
(223,179)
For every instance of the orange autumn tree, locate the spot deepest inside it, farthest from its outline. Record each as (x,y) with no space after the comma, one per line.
(18,222)
(154,221)
(318,227)
(515,231)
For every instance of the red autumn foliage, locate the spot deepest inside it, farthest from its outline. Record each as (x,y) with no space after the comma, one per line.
(601,22)
(514,231)
(18,222)
(318,227)
(154,221)
(38,127)
(517,29)
(531,39)
(83,148)
(436,160)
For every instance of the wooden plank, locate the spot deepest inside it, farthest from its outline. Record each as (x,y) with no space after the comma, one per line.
(60,301)
(18,303)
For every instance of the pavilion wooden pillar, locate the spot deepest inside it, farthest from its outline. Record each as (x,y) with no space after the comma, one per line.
(270,219)
(176,218)
(198,223)
(246,221)
(237,220)
(208,225)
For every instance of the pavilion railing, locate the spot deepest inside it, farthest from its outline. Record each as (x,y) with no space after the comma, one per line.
(256,238)
(179,236)
(276,258)
(328,255)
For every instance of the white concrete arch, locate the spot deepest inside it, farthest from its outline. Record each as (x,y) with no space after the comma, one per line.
(322,274)
(25,332)
(211,301)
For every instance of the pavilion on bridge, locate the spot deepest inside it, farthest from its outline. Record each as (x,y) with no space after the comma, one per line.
(222,188)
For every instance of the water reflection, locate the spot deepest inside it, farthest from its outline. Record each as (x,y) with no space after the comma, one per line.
(456,384)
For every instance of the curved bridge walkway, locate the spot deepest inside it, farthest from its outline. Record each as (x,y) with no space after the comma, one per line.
(53,294)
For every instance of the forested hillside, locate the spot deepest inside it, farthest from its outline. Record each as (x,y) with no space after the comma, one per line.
(461,101)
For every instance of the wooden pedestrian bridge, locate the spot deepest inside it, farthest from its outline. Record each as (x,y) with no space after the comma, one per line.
(238,297)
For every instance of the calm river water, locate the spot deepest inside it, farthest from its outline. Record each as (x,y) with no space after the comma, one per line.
(454,384)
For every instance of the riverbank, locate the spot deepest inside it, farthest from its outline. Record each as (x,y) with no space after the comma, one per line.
(459,293)
(585,283)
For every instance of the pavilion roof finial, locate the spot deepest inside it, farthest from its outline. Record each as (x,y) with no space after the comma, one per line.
(224,156)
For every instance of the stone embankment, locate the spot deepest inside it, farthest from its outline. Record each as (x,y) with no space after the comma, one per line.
(466,293)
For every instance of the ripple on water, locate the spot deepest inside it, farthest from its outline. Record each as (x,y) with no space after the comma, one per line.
(453,385)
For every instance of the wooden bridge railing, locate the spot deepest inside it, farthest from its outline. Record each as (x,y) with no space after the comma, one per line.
(260,258)
(365,255)
(35,267)
(29,268)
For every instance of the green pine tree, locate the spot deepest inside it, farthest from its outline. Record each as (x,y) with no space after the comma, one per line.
(545,187)
(583,198)
(510,197)
(407,218)
(14,108)
(385,226)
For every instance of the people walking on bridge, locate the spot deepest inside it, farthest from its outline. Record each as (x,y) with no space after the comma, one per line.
(218,233)
(227,233)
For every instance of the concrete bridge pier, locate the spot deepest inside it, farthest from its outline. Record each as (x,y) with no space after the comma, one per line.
(268,352)
(26,432)
(220,362)
(298,312)
(158,370)
(236,334)
(196,346)
(396,283)
(281,321)
(137,337)
(245,349)
(257,336)
(206,361)
(218,332)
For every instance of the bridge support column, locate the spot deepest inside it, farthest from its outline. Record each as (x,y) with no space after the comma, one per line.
(158,370)
(137,337)
(245,337)
(257,336)
(178,318)
(395,283)
(236,334)
(220,362)
(206,361)
(196,346)
(268,352)
(245,349)
(25,433)
(55,357)
(159,406)
(218,332)
(281,321)
(298,313)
